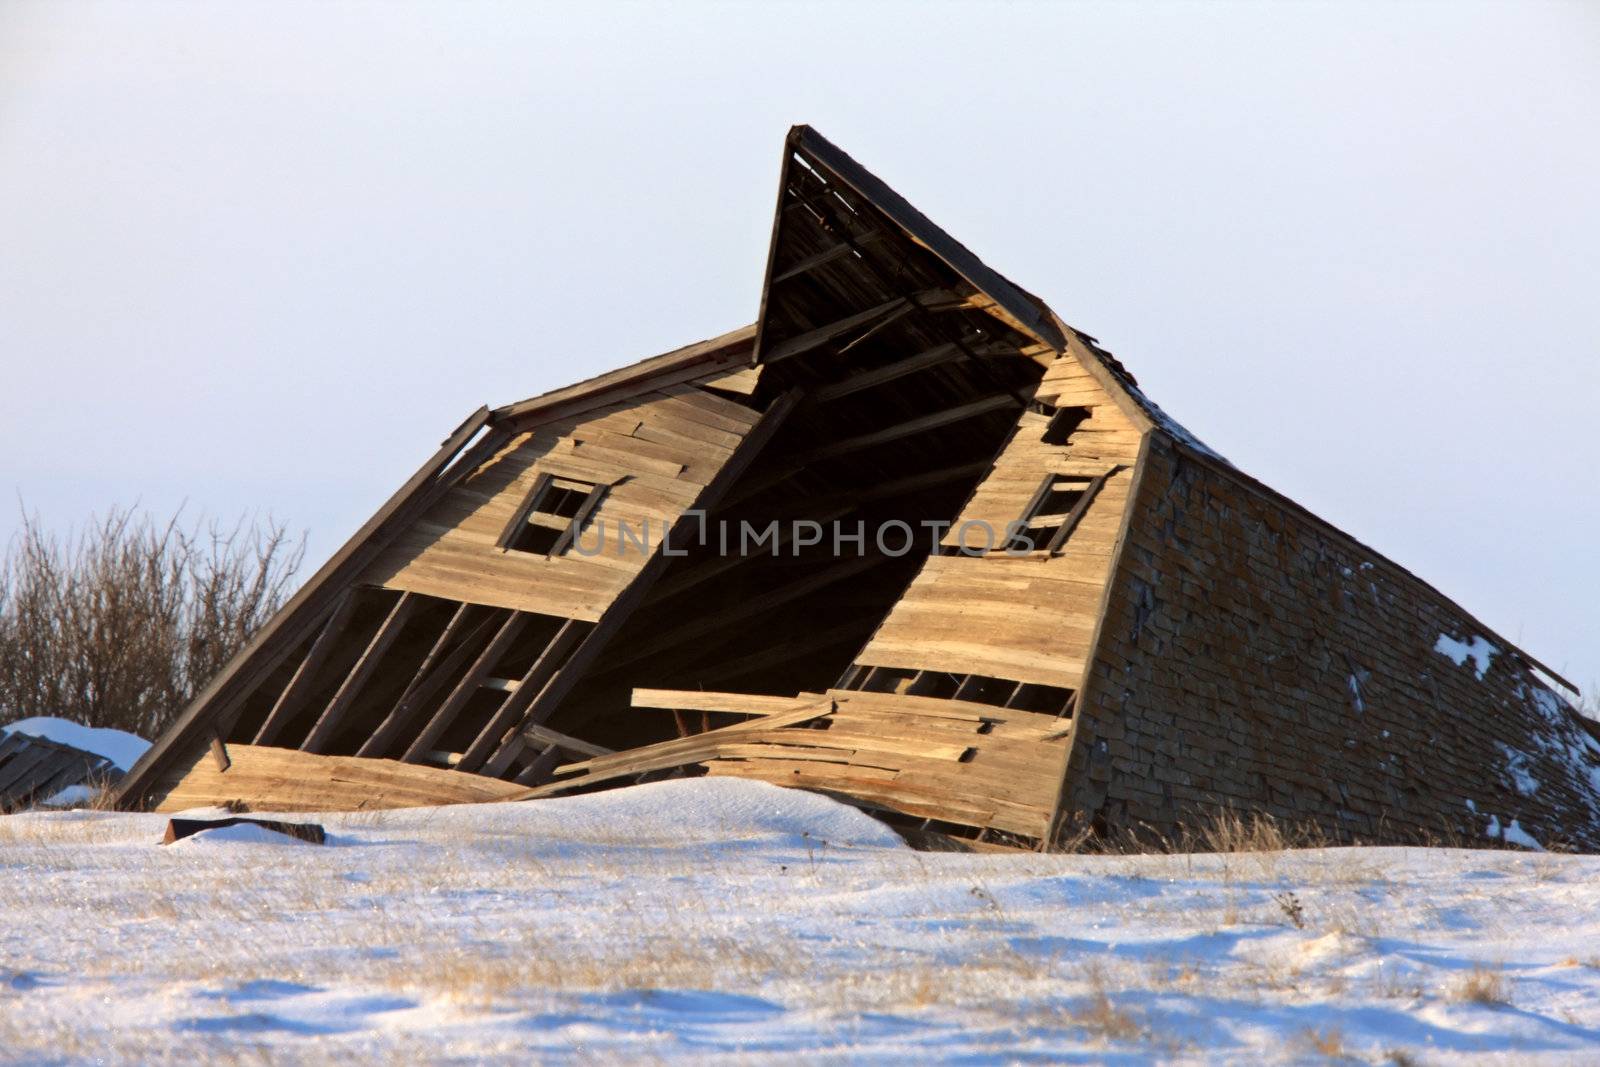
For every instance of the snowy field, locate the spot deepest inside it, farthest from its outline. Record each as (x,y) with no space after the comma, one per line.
(721,921)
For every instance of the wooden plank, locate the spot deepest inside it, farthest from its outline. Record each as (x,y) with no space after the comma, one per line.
(690,404)
(627,383)
(322,731)
(545,736)
(674,753)
(305,676)
(700,700)
(1081,508)
(628,461)
(744,380)
(467,687)
(800,711)
(280,779)
(740,412)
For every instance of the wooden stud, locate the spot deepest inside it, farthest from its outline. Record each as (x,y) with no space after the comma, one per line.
(526,691)
(436,669)
(299,688)
(509,631)
(322,732)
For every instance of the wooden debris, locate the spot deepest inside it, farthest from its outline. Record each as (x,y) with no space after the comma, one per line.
(178,829)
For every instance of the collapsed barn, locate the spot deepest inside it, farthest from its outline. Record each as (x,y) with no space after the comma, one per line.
(909,540)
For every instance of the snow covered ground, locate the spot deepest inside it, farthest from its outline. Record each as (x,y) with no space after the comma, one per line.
(724,921)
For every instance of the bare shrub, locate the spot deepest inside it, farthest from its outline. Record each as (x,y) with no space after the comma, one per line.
(1481,985)
(120,623)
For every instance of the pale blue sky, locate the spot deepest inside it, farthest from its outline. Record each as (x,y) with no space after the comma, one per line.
(266,255)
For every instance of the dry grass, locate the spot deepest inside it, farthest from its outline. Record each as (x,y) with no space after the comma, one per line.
(1481,985)
(1328,1042)
(1099,1015)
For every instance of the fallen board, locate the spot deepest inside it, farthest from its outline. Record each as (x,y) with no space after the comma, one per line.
(178,829)
(260,778)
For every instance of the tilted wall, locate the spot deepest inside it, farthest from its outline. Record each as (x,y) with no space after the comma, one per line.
(1252,656)
(656,451)
(1030,617)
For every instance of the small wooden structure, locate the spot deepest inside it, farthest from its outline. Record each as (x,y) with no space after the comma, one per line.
(1154,633)
(35,768)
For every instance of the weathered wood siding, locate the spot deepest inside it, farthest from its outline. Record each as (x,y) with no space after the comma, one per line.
(656,452)
(1028,618)
(1254,656)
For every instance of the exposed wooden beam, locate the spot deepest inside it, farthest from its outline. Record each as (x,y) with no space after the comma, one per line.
(822,335)
(467,687)
(543,735)
(436,669)
(1078,511)
(299,688)
(701,700)
(674,753)
(322,731)
(527,689)
(912,427)
(936,356)
(826,256)
(821,154)
(729,350)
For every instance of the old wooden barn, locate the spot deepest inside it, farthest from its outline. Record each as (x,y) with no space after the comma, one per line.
(993,592)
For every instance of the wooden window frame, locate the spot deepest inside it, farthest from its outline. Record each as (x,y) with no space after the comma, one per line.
(1058,537)
(541,490)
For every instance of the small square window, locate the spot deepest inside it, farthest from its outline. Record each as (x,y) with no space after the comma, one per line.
(1054,509)
(552,517)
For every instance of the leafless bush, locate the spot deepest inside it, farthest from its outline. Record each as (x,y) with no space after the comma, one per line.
(1482,985)
(118,624)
